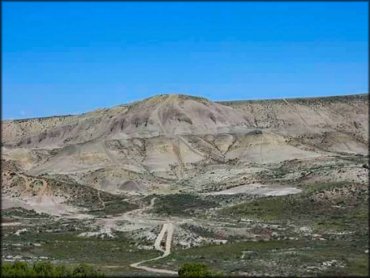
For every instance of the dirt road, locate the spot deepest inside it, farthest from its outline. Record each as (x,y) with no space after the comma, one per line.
(166,228)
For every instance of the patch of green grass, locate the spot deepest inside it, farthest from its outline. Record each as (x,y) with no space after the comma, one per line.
(344,226)
(18,212)
(285,257)
(47,269)
(181,204)
(281,209)
(196,270)
(304,208)
(358,265)
(69,247)
(114,207)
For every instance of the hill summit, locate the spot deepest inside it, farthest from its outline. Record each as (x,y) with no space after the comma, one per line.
(176,114)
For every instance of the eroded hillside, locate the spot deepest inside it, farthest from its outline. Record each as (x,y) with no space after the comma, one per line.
(163,138)
(182,173)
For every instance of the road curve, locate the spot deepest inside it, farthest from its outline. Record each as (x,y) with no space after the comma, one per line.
(166,228)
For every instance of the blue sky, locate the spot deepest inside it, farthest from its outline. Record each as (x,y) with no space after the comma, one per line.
(67,58)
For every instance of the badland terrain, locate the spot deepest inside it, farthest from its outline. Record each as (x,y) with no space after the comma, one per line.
(255,188)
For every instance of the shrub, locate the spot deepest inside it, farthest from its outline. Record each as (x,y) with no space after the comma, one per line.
(44,269)
(196,270)
(84,270)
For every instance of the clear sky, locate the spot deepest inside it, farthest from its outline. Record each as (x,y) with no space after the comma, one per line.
(67,58)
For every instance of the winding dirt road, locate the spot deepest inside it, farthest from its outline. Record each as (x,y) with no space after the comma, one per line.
(108,225)
(167,229)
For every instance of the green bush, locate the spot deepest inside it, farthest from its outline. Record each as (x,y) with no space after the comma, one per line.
(44,269)
(84,270)
(196,270)
(47,269)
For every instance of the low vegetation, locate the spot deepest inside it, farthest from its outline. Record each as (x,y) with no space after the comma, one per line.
(321,203)
(47,269)
(192,270)
(181,204)
(114,207)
